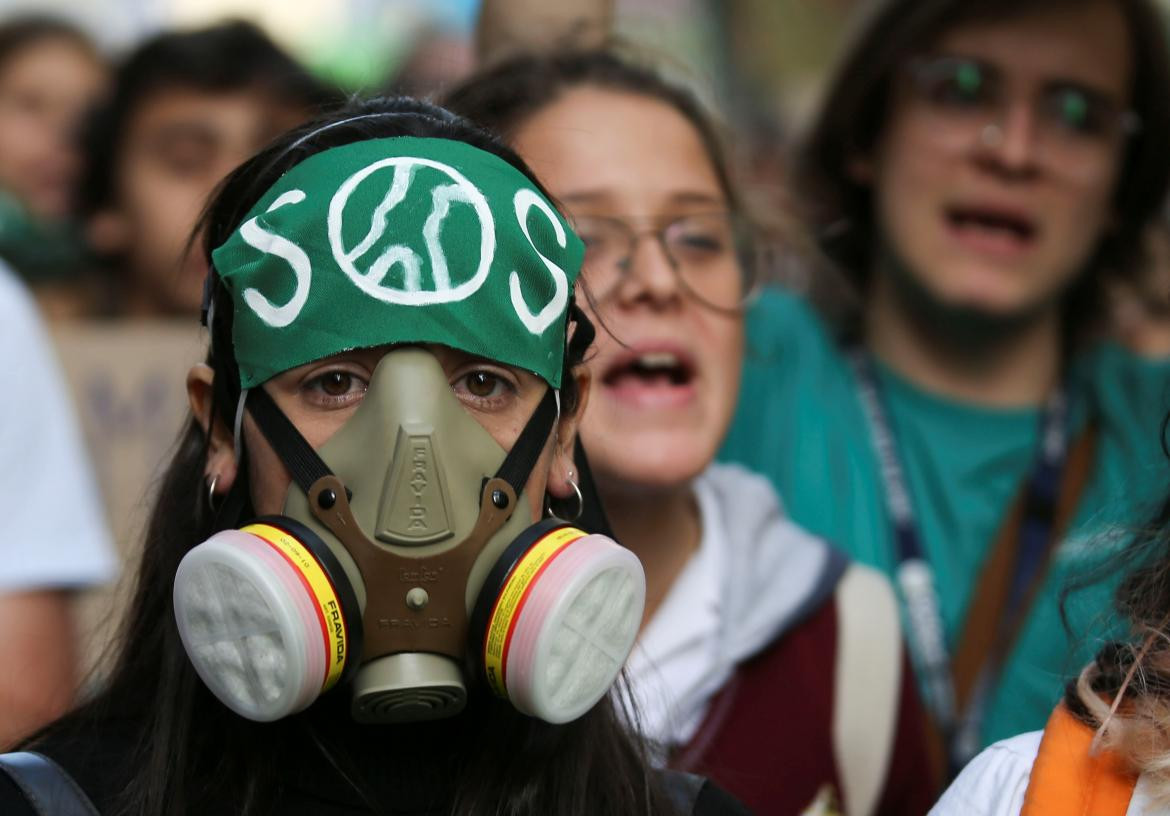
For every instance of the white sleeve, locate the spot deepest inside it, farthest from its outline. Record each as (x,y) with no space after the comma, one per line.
(52,528)
(994,783)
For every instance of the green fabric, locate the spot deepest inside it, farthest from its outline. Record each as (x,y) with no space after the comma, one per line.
(39,251)
(400,240)
(799,421)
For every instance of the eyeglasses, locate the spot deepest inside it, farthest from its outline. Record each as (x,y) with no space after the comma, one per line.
(969,101)
(711,255)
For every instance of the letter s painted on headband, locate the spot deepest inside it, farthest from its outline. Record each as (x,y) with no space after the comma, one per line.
(523,201)
(272,244)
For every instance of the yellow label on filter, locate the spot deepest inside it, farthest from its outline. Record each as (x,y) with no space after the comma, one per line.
(511,599)
(329,607)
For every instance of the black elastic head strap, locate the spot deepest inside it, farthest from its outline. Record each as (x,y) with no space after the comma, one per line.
(518,464)
(303,463)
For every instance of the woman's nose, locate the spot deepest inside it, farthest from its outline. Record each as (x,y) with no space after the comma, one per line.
(649,272)
(1012,142)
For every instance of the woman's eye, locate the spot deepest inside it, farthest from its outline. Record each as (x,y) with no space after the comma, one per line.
(951,83)
(336,383)
(336,387)
(1076,112)
(483,386)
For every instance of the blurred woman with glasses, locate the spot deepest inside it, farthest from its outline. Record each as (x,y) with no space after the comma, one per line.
(765,661)
(979,171)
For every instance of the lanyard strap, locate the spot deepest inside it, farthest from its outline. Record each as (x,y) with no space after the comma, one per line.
(915,577)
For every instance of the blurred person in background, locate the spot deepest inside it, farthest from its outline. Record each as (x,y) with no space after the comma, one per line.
(52,533)
(765,660)
(979,170)
(50,74)
(186,107)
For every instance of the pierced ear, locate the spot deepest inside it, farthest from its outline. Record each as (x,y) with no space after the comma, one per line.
(221,464)
(564,466)
(563,470)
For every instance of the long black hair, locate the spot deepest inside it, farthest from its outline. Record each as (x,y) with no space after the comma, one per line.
(177,751)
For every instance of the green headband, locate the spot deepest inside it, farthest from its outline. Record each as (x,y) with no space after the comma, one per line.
(400,240)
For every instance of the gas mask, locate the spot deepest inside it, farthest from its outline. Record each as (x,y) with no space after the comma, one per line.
(404,565)
(408,567)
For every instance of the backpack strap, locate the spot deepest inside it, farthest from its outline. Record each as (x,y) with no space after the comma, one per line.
(1068,780)
(46,785)
(867,684)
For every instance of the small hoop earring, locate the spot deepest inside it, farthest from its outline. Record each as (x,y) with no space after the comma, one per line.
(211,491)
(580,502)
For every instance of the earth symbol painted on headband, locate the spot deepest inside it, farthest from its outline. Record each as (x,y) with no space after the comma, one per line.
(369,272)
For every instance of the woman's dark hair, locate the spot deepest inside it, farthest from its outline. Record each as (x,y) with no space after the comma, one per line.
(19,33)
(502,97)
(185,753)
(223,58)
(857,103)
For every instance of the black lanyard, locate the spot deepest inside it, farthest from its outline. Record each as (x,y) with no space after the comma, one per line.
(915,577)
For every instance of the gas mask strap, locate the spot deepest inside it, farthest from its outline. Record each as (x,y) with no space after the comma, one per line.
(520,461)
(303,463)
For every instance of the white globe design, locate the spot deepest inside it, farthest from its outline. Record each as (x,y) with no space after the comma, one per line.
(411,293)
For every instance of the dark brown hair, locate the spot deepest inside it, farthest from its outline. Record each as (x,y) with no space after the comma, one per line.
(857,104)
(219,59)
(165,746)
(505,95)
(19,33)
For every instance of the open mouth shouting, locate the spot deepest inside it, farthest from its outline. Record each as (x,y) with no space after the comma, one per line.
(651,375)
(989,230)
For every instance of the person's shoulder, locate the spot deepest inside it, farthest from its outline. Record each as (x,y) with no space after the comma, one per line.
(1118,376)
(994,782)
(1125,396)
(778,314)
(740,485)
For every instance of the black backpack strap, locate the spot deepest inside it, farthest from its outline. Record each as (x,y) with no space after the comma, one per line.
(48,787)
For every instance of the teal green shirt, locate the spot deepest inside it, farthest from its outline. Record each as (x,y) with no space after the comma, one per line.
(800,422)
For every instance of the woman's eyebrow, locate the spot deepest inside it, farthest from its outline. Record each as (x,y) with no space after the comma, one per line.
(586,197)
(697,197)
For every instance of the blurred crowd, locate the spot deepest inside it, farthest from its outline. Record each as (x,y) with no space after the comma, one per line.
(888,439)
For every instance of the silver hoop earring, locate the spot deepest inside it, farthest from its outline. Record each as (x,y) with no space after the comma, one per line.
(211,491)
(580,502)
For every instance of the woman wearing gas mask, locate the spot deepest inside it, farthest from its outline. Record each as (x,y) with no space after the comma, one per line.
(765,660)
(355,597)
